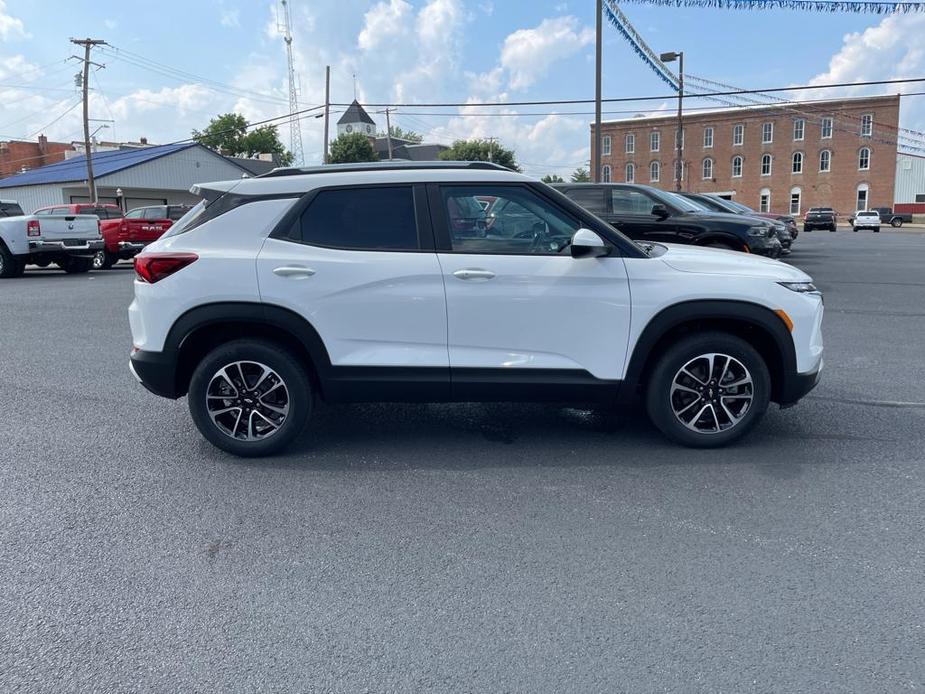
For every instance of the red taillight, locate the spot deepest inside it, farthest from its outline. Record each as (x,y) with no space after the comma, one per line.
(33,228)
(153,267)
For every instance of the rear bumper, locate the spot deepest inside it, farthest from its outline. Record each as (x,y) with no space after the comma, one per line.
(132,245)
(156,371)
(75,246)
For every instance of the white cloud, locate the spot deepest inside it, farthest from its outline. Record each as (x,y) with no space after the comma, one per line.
(527,54)
(384,23)
(230,19)
(11,27)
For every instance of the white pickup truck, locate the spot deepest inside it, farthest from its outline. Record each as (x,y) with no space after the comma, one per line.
(70,241)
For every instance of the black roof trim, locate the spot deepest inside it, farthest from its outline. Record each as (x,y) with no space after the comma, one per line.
(384,166)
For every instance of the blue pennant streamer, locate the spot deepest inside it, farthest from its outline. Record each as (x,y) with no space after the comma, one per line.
(641,53)
(862,6)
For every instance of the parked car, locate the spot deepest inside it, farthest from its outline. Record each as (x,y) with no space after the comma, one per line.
(10,208)
(866,219)
(648,214)
(716,204)
(887,216)
(820,218)
(353,283)
(69,240)
(110,217)
(135,230)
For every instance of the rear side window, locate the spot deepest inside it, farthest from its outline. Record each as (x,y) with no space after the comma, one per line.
(380,218)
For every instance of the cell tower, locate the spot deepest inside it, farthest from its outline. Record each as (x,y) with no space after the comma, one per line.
(284,24)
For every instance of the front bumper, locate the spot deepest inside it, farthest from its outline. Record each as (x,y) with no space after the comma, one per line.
(75,246)
(796,385)
(156,371)
(766,246)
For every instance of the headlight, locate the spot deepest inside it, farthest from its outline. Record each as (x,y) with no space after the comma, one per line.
(759,231)
(801,287)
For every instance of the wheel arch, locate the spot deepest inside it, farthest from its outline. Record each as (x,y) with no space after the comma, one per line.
(756,324)
(730,240)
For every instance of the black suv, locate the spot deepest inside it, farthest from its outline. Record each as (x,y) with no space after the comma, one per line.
(820,218)
(786,233)
(649,214)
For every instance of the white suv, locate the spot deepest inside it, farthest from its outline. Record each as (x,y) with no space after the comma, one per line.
(453,281)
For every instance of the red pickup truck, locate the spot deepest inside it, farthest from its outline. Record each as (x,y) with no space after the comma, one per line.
(124,235)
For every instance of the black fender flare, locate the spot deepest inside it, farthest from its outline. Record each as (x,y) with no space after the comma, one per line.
(723,237)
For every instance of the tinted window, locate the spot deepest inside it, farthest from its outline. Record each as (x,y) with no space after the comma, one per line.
(101,212)
(156,213)
(628,201)
(137,213)
(592,199)
(176,212)
(363,218)
(10,210)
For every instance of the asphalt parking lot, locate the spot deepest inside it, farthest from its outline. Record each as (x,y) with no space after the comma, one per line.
(405,548)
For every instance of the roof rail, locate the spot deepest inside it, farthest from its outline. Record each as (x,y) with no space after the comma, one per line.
(382,166)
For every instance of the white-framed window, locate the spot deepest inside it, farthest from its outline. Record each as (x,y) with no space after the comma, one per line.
(863,197)
(764,200)
(676,139)
(737,167)
(826,128)
(799,129)
(796,196)
(765,164)
(707,138)
(629,143)
(796,163)
(655,170)
(825,161)
(867,125)
(655,140)
(605,173)
(606,145)
(767,133)
(707,168)
(864,159)
(630,172)
(738,134)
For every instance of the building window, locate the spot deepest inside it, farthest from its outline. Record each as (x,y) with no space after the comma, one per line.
(630,142)
(767,133)
(630,172)
(707,168)
(867,125)
(654,141)
(764,200)
(765,164)
(795,195)
(738,134)
(825,161)
(678,170)
(737,167)
(605,145)
(605,174)
(826,128)
(799,127)
(676,139)
(864,159)
(654,172)
(707,138)
(863,194)
(797,163)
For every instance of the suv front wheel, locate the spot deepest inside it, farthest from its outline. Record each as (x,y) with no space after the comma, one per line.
(708,390)
(250,397)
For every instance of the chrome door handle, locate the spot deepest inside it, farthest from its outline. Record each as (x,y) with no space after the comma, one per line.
(474,274)
(294,271)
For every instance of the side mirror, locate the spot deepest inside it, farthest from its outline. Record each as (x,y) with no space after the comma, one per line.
(660,211)
(587,244)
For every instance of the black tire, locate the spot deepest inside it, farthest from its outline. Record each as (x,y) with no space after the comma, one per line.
(76,265)
(10,265)
(896,222)
(834,227)
(286,367)
(661,402)
(876,230)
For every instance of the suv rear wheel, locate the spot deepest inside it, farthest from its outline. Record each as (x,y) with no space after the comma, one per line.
(708,390)
(250,397)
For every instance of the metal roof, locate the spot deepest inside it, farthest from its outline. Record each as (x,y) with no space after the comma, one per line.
(104,163)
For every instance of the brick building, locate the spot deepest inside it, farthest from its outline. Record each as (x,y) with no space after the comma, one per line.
(17,155)
(784,159)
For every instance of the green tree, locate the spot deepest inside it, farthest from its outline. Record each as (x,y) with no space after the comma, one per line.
(552,178)
(228,134)
(398,133)
(351,148)
(480,150)
(580,175)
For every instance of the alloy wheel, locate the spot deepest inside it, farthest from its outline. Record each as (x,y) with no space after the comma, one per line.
(711,393)
(98,260)
(247,401)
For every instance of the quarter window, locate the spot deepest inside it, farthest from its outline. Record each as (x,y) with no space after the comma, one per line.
(797,163)
(799,127)
(765,164)
(737,167)
(630,173)
(864,158)
(826,128)
(867,125)
(630,142)
(654,141)
(379,218)
(767,133)
(707,168)
(738,134)
(654,172)
(707,138)
(605,145)
(825,160)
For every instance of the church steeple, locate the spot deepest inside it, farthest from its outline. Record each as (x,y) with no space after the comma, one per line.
(356,120)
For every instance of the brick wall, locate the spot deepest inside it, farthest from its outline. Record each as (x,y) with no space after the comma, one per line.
(16,154)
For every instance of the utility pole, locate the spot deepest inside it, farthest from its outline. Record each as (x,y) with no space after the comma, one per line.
(598,40)
(679,134)
(388,132)
(327,109)
(88,45)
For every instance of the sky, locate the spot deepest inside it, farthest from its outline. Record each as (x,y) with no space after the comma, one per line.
(171,66)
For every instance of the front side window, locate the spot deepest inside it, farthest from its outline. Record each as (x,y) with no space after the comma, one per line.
(156,213)
(826,128)
(707,168)
(627,201)
(605,174)
(767,133)
(655,170)
(764,200)
(867,125)
(864,159)
(517,222)
(605,145)
(795,195)
(799,127)
(630,142)
(738,134)
(825,161)
(630,173)
(654,141)
(376,218)
(765,164)
(796,165)
(137,213)
(737,167)
(707,138)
